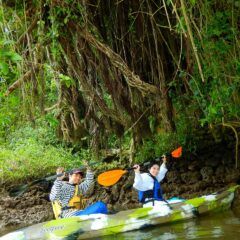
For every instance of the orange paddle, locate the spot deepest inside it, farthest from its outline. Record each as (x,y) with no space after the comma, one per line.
(111,177)
(177,152)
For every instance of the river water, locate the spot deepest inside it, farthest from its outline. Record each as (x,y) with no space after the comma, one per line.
(225,225)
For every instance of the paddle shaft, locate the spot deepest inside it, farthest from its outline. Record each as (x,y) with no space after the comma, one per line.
(143,164)
(19,190)
(66,172)
(111,177)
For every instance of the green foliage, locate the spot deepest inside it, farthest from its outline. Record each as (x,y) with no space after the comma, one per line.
(7,57)
(109,166)
(131,19)
(51,84)
(30,160)
(158,145)
(193,2)
(51,120)
(30,152)
(41,133)
(67,81)
(9,111)
(181,26)
(152,123)
(112,141)
(108,100)
(218,96)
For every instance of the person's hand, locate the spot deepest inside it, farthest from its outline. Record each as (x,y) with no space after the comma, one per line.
(59,171)
(136,168)
(86,164)
(164,158)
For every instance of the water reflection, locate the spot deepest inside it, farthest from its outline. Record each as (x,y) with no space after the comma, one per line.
(218,226)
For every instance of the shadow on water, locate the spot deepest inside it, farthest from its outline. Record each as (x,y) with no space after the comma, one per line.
(6,230)
(218,226)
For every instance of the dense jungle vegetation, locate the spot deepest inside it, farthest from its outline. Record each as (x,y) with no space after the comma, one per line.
(79,79)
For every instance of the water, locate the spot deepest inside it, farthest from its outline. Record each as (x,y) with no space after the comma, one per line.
(225,225)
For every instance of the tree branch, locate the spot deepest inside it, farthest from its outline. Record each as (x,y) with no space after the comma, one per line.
(20,81)
(28,31)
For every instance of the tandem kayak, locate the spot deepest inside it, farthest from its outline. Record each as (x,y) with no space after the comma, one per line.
(97,225)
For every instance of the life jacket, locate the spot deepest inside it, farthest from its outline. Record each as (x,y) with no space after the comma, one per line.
(151,195)
(77,202)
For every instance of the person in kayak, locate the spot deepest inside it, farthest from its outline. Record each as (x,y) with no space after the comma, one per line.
(148,184)
(67,197)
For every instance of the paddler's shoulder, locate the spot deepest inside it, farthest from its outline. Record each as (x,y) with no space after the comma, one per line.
(145,175)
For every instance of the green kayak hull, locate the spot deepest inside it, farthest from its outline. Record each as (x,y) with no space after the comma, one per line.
(96,225)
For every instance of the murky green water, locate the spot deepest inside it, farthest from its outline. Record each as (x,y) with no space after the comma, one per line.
(224,225)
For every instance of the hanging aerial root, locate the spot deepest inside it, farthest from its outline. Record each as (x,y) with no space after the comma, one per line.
(132,79)
(237,141)
(20,81)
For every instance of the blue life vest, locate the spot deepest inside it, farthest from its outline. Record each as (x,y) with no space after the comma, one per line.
(151,195)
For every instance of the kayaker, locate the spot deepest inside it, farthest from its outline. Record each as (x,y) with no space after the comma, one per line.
(148,184)
(67,197)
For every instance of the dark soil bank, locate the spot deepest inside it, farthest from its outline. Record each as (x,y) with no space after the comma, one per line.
(187,177)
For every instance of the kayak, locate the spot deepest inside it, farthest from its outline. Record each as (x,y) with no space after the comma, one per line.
(97,225)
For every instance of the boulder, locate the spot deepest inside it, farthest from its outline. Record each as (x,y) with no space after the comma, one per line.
(191,177)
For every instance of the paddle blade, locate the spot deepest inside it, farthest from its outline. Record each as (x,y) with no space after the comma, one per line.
(177,152)
(18,190)
(109,178)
